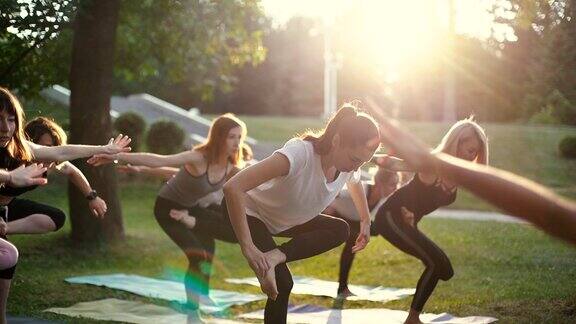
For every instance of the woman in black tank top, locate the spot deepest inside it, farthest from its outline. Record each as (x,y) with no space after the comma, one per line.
(22,216)
(397,220)
(202,170)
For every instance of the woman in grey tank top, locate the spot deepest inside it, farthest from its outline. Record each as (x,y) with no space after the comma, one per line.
(203,170)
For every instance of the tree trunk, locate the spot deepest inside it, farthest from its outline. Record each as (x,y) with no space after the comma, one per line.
(91,77)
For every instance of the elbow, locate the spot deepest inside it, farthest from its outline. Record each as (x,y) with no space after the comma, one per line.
(229,188)
(232,189)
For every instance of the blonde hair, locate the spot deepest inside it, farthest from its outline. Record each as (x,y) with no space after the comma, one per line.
(454,136)
(215,146)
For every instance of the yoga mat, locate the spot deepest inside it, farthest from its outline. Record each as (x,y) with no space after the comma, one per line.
(168,290)
(308,315)
(126,311)
(26,320)
(317,287)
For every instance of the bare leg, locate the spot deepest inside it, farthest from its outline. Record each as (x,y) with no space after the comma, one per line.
(33,224)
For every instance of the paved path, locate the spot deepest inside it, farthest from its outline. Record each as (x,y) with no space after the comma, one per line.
(475,215)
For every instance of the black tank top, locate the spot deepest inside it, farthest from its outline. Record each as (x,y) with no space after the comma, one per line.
(419,198)
(9,163)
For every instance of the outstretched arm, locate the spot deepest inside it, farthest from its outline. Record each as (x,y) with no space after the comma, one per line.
(516,195)
(165,173)
(71,152)
(392,163)
(149,159)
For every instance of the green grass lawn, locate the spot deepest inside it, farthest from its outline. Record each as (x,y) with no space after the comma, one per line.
(508,271)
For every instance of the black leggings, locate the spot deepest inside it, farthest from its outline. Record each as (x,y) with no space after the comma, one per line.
(410,240)
(347,256)
(197,244)
(314,237)
(21,208)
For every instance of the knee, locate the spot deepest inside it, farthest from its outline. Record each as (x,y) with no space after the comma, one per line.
(58,218)
(9,256)
(444,271)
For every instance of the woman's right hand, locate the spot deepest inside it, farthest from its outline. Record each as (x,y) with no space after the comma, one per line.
(30,175)
(101,159)
(257,260)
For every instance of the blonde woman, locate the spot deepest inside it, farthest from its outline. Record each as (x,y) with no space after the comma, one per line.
(397,220)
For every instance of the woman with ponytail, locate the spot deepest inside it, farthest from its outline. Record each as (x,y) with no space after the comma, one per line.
(285,194)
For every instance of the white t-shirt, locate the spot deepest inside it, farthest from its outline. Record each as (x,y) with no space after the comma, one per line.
(345,207)
(294,199)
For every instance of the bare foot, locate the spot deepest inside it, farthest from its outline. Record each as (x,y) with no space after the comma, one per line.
(183,217)
(413,321)
(268,283)
(344,293)
(413,317)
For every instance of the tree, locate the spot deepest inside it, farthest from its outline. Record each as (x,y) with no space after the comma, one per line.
(551,28)
(91,76)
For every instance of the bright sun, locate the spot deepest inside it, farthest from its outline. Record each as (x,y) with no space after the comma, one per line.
(395,35)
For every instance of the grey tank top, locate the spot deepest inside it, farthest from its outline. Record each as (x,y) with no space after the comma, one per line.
(185,189)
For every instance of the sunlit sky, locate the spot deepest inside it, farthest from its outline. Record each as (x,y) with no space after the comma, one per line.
(414,28)
(472,16)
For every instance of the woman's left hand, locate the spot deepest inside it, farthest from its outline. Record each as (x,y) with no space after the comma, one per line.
(98,207)
(363,237)
(118,145)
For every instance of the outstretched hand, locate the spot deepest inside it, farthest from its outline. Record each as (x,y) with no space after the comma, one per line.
(118,145)
(28,175)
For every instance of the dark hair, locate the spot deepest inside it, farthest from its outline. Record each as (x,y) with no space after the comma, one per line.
(42,125)
(17,148)
(354,127)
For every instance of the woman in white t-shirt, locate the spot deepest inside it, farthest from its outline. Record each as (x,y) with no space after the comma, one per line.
(285,194)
